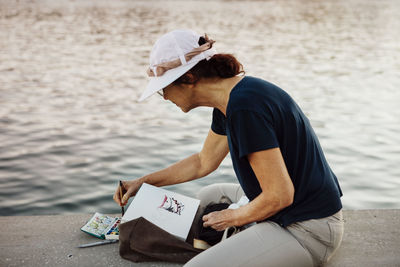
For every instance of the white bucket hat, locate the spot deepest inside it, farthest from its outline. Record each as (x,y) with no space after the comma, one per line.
(172,56)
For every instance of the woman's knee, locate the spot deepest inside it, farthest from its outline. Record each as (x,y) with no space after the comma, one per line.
(220,192)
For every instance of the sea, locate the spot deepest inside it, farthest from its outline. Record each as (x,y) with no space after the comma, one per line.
(71,72)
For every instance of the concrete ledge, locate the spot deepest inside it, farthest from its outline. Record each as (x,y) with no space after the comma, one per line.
(372,238)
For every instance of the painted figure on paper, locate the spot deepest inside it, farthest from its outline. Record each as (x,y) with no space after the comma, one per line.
(172,205)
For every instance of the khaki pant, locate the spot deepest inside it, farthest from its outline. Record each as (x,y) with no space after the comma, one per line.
(307,243)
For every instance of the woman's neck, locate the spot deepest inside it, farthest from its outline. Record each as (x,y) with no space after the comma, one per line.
(215,92)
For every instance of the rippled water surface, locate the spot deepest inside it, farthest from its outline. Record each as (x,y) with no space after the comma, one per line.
(71,71)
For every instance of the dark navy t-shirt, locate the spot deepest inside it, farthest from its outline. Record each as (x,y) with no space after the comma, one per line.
(261,116)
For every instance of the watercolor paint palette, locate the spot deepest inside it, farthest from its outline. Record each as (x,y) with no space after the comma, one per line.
(113,233)
(102,226)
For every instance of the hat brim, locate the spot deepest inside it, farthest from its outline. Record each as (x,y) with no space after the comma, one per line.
(157,83)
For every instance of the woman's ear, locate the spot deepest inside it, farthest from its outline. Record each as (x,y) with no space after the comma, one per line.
(187,78)
(190,85)
(185,86)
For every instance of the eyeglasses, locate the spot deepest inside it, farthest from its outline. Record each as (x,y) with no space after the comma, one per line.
(161,92)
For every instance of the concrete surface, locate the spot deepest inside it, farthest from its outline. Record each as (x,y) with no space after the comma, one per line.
(372,238)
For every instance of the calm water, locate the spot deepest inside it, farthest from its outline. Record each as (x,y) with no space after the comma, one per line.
(71,71)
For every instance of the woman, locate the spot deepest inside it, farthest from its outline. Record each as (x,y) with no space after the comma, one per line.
(294,196)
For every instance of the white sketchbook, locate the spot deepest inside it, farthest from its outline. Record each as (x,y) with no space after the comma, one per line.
(170,211)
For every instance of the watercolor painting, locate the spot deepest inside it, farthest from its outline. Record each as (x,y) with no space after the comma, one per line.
(172,205)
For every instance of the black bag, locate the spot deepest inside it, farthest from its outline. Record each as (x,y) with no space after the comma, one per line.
(141,240)
(208,234)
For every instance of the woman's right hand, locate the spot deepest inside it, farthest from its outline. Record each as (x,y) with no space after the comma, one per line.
(129,189)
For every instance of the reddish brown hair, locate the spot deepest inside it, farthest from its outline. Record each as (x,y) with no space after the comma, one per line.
(218,66)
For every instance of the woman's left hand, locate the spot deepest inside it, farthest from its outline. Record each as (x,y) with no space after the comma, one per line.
(219,220)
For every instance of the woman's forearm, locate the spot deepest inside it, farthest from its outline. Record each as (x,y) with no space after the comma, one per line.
(261,208)
(198,165)
(258,209)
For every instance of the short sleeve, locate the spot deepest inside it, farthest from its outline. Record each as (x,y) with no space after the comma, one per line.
(218,122)
(251,132)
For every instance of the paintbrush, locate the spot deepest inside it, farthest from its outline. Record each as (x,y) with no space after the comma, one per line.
(120,195)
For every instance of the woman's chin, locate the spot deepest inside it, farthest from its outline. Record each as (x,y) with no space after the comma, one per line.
(185,110)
